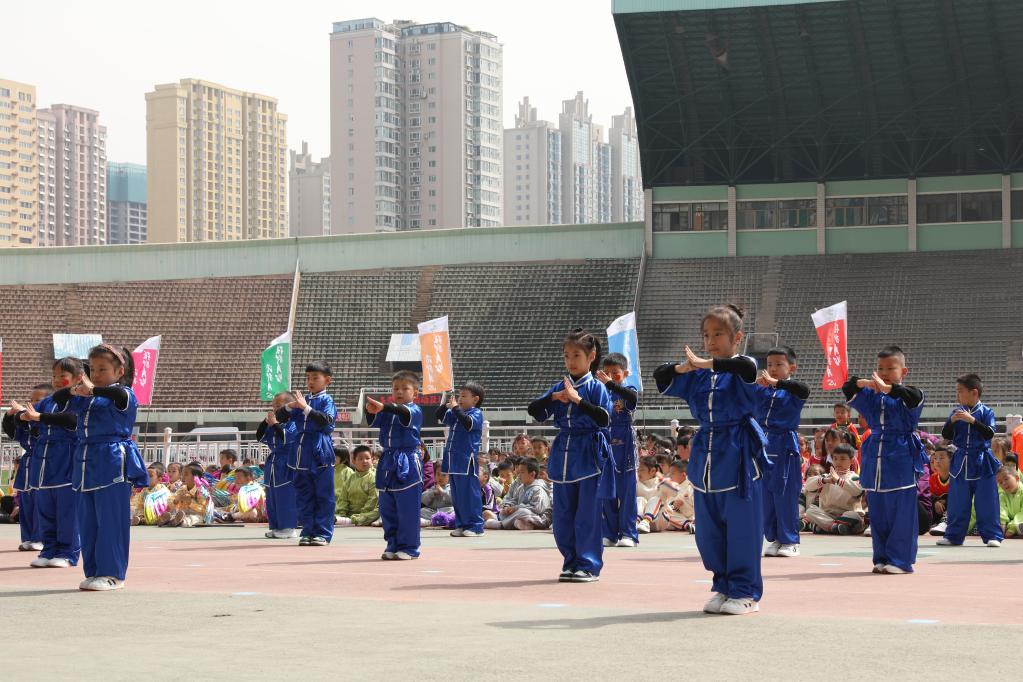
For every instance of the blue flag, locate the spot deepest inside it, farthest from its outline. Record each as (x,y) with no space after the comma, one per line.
(621,338)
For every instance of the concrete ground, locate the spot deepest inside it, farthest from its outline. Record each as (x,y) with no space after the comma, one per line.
(224,601)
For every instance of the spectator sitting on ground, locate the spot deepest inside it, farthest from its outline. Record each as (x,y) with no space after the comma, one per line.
(1010,500)
(357,498)
(1012,463)
(682,447)
(250,508)
(521,446)
(540,448)
(648,477)
(342,466)
(673,508)
(528,507)
(228,461)
(436,499)
(838,508)
(487,493)
(940,481)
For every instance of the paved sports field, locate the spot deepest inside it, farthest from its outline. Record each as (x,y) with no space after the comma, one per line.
(215,602)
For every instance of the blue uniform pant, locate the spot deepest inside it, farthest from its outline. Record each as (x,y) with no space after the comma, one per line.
(577,525)
(104,521)
(781,507)
(963,497)
(314,492)
(281,512)
(467,499)
(894,527)
(399,516)
(729,535)
(57,512)
(27,517)
(619,518)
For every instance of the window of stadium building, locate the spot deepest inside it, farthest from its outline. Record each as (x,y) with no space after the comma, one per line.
(690,217)
(860,211)
(776,215)
(967,207)
(1017,204)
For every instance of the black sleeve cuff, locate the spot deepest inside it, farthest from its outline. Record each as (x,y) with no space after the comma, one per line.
(948,431)
(404,414)
(983,429)
(796,388)
(441,411)
(597,414)
(850,389)
(318,418)
(910,395)
(664,375)
(626,392)
(67,420)
(742,367)
(118,394)
(537,408)
(463,419)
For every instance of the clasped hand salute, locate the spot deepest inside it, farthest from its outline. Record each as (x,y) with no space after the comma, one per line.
(693,362)
(875,382)
(568,394)
(83,388)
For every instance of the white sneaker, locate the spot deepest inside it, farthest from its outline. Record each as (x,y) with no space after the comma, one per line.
(58,562)
(643,526)
(25,547)
(626,542)
(269,534)
(377,524)
(939,529)
(458,533)
(40,562)
(104,584)
(715,603)
(35,546)
(84,585)
(466,533)
(739,607)
(879,568)
(894,570)
(342,521)
(584,577)
(772,548)
(993,543)
(788,551)
(945,542)
(404,556)
(388,556)
(608,543)
(866,532)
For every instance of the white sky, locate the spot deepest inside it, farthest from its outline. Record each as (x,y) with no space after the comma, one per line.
(106,54)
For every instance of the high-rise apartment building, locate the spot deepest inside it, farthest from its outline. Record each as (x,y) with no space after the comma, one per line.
(532,170)
(216,164)
(19,170)
(308,194)
(74,175)
(568,173)
(127,217)
(415,126)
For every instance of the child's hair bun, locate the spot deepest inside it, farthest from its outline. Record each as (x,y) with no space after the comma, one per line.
(737,310)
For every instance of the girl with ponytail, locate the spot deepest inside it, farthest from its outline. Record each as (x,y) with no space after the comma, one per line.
(580,407)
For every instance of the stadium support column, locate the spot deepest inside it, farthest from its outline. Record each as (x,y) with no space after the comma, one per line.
(648,222)
(822,243)
(911,205)
(731,220)
(1006,211)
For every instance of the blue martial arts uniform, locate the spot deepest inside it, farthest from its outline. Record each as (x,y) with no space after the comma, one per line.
(778,411)
(399,476)
(25,433)
(278,477)
(578,468)
(973,476)
(620,514)
(726,466)
(313,462)
(465,430)
(106,465)
(50,477)
(892,460)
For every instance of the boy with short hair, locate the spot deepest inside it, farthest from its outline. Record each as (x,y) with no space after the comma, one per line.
(541,448)
(780,404)
(529,506)
(892,410)
(357,496)
(970,427)
(618,518)
(941,481)
(1010,501)
(399,476)
(464,419)
(838,508)
(674,507)
(313,416)
(843,421)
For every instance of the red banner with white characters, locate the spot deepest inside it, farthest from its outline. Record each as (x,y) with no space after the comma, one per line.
(145,357)
(832,330)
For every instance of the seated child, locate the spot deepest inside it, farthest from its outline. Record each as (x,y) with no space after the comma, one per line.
(1010,500)
(228,461)
(940,480)
(838,507)
(504,474)
(357,498)
(540,447)
(173,477)
(673,508)
(805,498)
(1012,463)
(138,498)
(437,498)
(649,477)
(527,507)
(191,504)
(490,509)
(248,502)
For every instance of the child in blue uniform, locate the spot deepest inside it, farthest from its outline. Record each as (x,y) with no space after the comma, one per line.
(727,460)
(618,525)
(779,408)
(578,464)
(892,459)
(970,427)
(106,464)
(400,470)
(277,431)
(25,434)
(313,458)
(50,471)
(464,420)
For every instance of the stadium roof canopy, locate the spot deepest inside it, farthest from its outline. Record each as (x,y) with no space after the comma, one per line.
(752,91)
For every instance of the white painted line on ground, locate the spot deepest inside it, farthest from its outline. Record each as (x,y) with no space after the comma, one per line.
(243,594)
(829,564)
(431,571)
(551,606)
(922,621)
(704,582)
(194,565)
